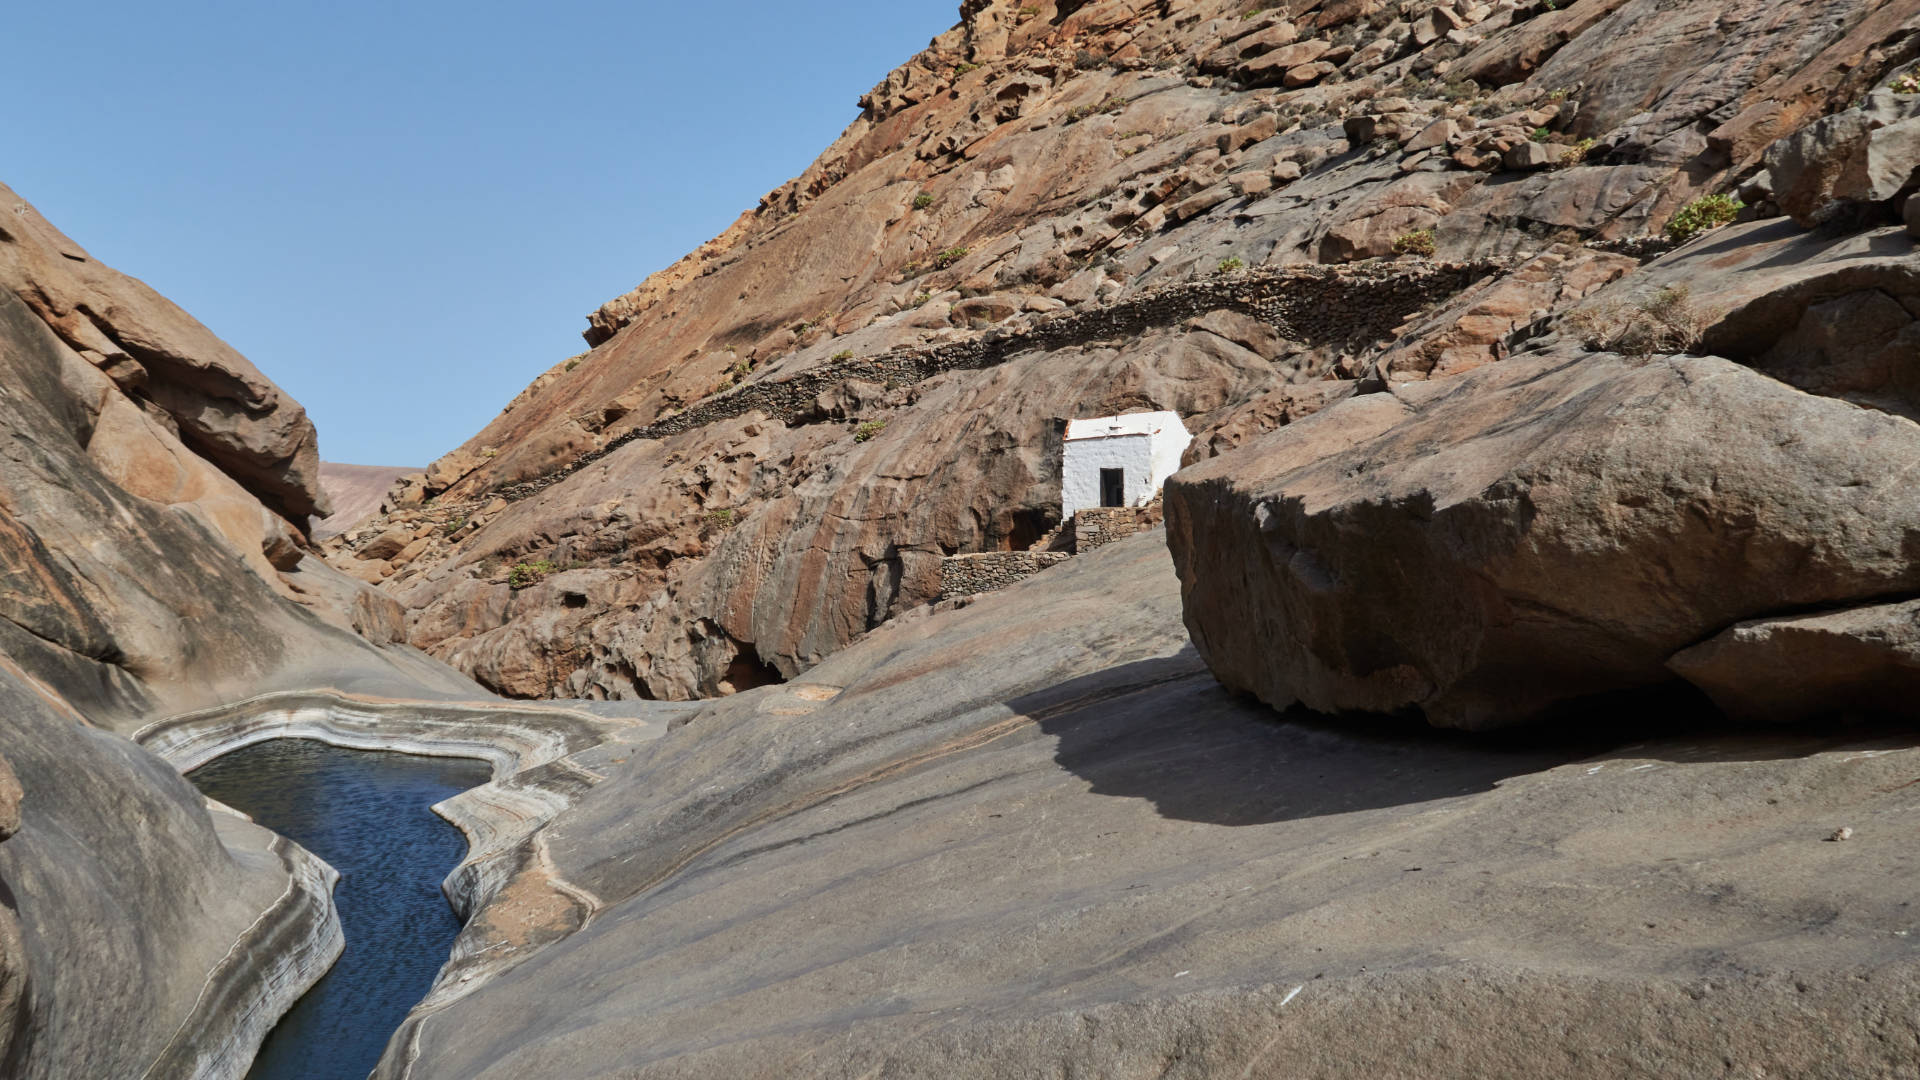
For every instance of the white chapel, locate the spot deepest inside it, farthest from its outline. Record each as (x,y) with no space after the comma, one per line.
(1119,460)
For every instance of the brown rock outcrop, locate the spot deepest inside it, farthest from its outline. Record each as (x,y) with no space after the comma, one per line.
(1486,547)
(219,403)
(1863,660)
(150,482)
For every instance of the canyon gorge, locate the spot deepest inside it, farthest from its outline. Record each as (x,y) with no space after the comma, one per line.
(1520,683)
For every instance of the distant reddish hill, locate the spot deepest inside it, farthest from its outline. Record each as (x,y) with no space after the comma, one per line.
(356,491)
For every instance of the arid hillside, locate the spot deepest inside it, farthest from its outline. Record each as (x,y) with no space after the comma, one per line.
(1237,212)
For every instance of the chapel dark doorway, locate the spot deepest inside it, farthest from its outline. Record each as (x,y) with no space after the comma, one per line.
(1113,487)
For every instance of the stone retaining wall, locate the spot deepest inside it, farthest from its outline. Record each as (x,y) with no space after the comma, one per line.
(987,571)
(1098,526)
(1352,306)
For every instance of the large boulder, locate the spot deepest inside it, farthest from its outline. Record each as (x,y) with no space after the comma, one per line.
(1485,547)
(1863,155)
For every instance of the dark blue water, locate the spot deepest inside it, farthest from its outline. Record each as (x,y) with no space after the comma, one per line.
(367,814)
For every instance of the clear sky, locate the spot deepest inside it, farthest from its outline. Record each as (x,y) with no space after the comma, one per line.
(403,210)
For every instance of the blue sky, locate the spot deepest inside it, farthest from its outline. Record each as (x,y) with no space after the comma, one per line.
(402,212)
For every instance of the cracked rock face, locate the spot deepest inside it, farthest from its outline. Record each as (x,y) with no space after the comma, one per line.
(1483,548)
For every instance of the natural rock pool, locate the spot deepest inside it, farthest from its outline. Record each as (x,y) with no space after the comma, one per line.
(367,813)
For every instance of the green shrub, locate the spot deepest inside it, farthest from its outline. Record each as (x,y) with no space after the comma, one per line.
(921,300)
(721,519)
(1230,264)
(949,257)
(459,522)
(843,354)
(1418,242)
(527,574)
(868,429)
(922,201)
(962,68)
(573,363)
(1028,12)
(1703,214)
(1541,134)
(1906,84)
(1577,152)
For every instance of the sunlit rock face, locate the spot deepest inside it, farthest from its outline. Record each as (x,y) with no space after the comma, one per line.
(1052,164)
(154,493)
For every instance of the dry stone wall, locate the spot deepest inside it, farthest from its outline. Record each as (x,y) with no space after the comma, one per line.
(1348,306)
(989,571)
(1097,526)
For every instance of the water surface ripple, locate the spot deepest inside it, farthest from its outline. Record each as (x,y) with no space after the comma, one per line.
(367,814)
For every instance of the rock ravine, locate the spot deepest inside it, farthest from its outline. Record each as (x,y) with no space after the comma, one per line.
(1521,684)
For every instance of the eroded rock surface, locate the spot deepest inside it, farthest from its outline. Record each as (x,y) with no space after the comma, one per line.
(1033,836)
(154,490)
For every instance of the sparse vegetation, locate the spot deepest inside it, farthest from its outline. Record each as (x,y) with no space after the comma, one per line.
(1665,322)
(1230,264)
(458,522)
(1418,242)
(1703,214)
(1906,84)
(843,354)
(1027,12)
(1541,134)
(573,363)
(921,300)
(528,574)
(962,68)
(867,429)
(1576,152)
(722,518)
(949,257)
(1081,112)
(922,201)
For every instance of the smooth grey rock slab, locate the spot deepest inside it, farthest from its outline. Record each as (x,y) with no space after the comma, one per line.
(1032,837)
(150,938)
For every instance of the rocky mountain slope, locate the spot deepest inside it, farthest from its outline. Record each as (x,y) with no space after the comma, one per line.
(1239,212)
(356,492)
